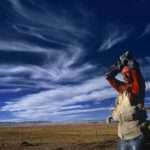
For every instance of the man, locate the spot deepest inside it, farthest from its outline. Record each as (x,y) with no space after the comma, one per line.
(129,110)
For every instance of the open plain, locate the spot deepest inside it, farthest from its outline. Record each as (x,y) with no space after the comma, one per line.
(59,137)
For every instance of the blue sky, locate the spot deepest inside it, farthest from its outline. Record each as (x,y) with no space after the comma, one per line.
(54,54)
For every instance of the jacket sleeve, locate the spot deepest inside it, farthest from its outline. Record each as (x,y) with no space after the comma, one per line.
(136,82)
(118,85)
(122,86)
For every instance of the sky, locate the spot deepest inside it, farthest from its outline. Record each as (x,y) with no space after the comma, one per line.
(54,55)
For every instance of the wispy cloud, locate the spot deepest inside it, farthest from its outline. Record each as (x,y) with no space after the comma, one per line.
(59,101)
(145,66)
(57,67)
(15,90)
(146,30)
(145,70)
(47,25)
(148,85)
(23,46)
(114,35)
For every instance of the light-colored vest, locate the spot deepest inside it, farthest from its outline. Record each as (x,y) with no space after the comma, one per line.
(128,127)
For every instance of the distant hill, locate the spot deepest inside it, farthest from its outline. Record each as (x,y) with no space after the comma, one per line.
(25,123)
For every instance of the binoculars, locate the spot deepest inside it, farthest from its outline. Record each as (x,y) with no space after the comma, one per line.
(125,59)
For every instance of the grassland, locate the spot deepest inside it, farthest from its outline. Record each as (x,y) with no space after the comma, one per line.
(59,137)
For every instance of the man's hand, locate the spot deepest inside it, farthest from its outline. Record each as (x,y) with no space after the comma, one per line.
(109,119)
(112,73)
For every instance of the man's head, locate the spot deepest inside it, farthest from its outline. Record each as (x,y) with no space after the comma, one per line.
(124,60)
(125,57)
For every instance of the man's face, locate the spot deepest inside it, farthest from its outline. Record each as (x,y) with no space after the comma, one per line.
(126,73)
(127,77)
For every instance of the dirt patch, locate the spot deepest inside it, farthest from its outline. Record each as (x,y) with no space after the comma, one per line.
(25,143)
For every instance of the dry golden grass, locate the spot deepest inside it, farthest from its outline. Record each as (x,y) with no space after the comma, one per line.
(59,137)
